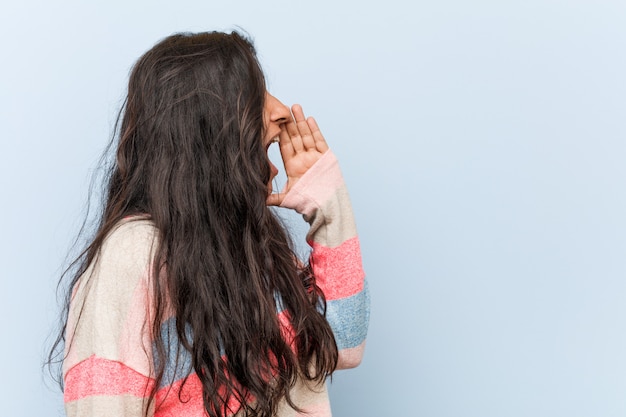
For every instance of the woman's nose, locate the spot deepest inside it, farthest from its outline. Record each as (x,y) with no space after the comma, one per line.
(278,112)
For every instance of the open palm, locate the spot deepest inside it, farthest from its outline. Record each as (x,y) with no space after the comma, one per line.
(301,146)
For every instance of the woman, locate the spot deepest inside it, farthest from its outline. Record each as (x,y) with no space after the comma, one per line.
(190,299)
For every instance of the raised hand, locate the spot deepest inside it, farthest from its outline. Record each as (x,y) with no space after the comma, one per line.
(301,146)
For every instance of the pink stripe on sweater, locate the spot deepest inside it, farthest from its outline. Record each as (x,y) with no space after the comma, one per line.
(98,376)
(339,271)
(188,405)
(184,399)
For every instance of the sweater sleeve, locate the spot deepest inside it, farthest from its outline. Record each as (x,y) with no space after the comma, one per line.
(322,198)
(107,370)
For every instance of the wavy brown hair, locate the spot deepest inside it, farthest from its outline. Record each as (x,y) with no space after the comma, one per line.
(190,156)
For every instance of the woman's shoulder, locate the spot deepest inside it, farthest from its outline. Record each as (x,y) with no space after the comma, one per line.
(126,255)
(131,234)
(111,300)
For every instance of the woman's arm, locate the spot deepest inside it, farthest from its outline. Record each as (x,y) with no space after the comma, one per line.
(108,364)
(318,192)
(322,198)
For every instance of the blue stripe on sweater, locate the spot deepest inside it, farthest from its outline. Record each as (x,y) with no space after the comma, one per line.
(349,318)
(177,358)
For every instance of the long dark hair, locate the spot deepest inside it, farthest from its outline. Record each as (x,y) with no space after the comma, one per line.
(190,156)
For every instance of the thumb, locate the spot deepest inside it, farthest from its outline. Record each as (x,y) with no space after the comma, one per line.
(275,199)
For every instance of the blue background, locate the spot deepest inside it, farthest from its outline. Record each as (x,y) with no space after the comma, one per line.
(484,146)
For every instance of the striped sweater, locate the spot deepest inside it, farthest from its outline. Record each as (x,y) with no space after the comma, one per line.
(108,363)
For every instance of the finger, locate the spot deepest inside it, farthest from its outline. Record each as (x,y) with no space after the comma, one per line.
(275,199)
(320,142)
(303,128)
(294,135)
(285,144)
(297,112)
